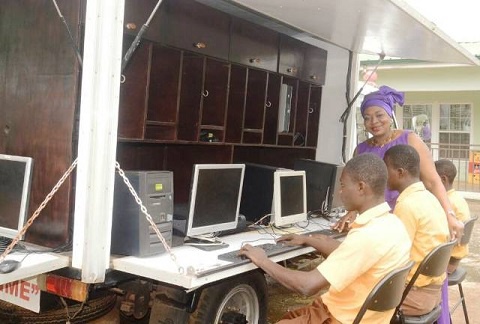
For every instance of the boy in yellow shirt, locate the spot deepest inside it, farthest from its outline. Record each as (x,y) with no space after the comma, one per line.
(376,244)
(425,221)
(447,172)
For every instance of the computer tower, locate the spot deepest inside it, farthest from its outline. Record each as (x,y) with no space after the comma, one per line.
(131,232)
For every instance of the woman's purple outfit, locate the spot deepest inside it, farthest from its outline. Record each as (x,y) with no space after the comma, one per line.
(391,199)
(390,195)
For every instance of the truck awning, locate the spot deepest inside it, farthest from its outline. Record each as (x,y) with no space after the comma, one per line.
(390,27)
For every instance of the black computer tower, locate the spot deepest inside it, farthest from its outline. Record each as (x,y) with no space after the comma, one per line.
(131,232)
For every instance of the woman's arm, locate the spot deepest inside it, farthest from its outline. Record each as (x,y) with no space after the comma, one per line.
(432,181)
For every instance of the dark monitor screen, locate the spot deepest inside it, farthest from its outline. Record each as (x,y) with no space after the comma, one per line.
(215,198)
(15,179)
(257,193)
(321,179)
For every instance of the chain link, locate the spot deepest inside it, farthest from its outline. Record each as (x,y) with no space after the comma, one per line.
(148,217)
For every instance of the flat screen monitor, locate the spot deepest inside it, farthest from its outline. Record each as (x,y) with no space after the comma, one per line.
(215,198)
(290,197)
(15,181)
(257,193)
(321,180)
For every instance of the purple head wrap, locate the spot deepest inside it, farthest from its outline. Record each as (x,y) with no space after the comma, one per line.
(384,97)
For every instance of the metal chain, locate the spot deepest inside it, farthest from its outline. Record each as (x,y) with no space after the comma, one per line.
(39,209)
(148,217)
(55,189)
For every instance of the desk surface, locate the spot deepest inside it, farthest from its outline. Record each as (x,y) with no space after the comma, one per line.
(33,265)
(191,262)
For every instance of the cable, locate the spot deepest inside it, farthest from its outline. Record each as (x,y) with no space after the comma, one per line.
(346,113)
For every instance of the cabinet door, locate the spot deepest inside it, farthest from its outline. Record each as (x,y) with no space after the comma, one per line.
(313,115)
(271,109)
(196,27)
(255,101)
(163,93)
(315,65)
(291,56)
(190,97)
(137,13)
(253,45)
(236,103)
(301,116)
(133,93)
(214,99)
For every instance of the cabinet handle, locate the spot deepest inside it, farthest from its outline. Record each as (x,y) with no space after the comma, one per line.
(268,104)
(131,26)
(310,110)
(122,78)
(313,77)
(254,60)
(292,70)
(205,93)
(200,45)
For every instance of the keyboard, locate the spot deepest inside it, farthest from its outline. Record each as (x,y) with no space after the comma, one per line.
(271,249)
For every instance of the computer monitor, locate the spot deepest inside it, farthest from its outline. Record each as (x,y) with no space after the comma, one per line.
(214,198)
(289,197)
(321,180)
(15,182)
(257,193)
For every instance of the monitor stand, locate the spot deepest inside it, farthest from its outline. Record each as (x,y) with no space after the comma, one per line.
(205,243)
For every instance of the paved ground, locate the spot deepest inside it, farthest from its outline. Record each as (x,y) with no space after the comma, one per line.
(281,300)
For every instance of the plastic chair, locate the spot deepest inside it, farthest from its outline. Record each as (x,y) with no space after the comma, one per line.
(387,293)
(456,277)
(433,265)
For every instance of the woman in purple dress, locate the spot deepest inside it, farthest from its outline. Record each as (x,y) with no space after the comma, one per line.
(377,111)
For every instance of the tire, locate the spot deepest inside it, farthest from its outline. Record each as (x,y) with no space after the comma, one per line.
(92,309)
(238,300)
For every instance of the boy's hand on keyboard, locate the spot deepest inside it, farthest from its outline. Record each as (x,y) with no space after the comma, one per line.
(255,254)
(292,239)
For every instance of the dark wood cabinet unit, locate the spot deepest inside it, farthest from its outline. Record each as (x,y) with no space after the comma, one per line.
(291,56)
(202,87)
(253,45)
(314,65)
(195,27)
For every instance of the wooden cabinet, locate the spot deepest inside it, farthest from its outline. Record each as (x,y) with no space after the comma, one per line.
(137,13)
(190,97)
(133,92)
(163,92)
(195,27)
(314,65)
(214,101)
(252,97)
(291,56)
(253,45)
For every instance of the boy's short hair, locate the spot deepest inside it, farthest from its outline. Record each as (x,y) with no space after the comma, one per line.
(369,168)
(405,157)
(446,168)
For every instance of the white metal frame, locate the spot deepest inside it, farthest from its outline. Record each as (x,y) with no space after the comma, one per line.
(98,138)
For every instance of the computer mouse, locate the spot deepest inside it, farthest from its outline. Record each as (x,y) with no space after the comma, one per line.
(7,266)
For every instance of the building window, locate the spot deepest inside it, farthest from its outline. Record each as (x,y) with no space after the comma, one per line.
(417,118)
(454,132)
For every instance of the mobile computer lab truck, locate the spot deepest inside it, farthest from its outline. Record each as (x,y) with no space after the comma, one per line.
(162,86)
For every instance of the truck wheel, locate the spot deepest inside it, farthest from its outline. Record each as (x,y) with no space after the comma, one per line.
(238,300)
